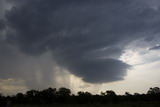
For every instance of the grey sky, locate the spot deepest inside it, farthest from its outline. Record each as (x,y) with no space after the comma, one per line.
(155,47)
(84,37)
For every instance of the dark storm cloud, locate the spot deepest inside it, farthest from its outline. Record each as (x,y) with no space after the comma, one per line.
(155,47)
(85,36)
(2,24)
(99,70)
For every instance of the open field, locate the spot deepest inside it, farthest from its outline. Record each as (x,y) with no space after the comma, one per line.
(95,105)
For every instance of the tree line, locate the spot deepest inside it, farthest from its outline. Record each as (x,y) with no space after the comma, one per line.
(64,96)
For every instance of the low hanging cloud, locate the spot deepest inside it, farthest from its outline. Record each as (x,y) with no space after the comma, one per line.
(99,70)
(85,37)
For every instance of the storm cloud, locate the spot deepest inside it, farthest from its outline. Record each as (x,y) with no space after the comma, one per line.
(85,37)
(155,47)
(2,25)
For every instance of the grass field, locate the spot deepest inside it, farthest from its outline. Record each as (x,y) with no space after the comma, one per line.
(94,105)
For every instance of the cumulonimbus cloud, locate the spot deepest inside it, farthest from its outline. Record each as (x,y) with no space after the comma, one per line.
(85,36)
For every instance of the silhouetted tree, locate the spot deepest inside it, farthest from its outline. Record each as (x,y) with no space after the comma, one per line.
(136,94)
(1,99)
(111,96)
(110,93)
(80,93)
(32,96)
(84,97)
(102,93)
(127,94)
(63,94)
(155,90)
(20,98)
(154,94)
(48,95)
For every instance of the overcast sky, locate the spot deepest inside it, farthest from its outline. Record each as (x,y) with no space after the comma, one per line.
(87,45)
